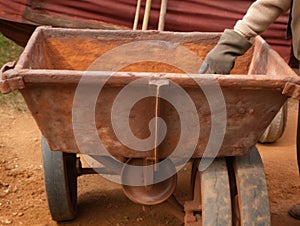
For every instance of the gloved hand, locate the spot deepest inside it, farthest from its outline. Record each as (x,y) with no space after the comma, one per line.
(221,59)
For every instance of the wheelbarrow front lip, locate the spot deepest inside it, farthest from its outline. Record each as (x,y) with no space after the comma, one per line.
(22,75)
(21,78)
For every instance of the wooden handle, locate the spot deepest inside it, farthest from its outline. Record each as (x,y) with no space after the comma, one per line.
(146,15)
(162,15)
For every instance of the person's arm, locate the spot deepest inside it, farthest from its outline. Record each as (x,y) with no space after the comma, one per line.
(260,15)
(234,43)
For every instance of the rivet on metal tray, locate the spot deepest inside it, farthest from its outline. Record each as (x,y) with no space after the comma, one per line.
(159,82)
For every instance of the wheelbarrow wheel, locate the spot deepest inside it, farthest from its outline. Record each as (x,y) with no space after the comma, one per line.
(252,192)
(276,128)
(233,192)
(61,183)
(215,195)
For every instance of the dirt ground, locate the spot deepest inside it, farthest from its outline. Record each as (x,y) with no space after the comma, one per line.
(23,199)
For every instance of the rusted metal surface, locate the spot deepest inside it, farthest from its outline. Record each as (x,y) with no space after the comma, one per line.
(253,92)
(292,90)
(8,85)
(152,194)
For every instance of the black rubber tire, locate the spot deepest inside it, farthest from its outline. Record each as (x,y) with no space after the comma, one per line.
(60,178)
(276,128)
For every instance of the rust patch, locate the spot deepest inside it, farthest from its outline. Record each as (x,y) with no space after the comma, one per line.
(252,100)
(292,90)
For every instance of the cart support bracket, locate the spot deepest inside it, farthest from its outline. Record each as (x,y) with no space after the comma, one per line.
(9,85)
(9,81)
(292,90)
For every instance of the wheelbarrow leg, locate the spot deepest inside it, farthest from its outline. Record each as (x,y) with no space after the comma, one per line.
(61,183)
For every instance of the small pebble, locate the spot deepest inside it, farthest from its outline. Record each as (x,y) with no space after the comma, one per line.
(139,219)
(6,221)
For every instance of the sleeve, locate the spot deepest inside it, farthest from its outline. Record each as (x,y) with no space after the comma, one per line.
(260,15)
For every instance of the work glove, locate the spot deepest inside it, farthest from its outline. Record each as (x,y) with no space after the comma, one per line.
(221,59)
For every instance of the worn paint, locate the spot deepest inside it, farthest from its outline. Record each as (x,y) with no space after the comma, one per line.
(253,93)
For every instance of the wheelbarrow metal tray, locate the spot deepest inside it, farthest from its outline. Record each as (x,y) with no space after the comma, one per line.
(56,60)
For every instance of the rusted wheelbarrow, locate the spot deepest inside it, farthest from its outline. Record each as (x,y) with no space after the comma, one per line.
(133,102)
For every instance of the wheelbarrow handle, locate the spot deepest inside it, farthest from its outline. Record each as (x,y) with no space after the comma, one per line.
(5,67)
